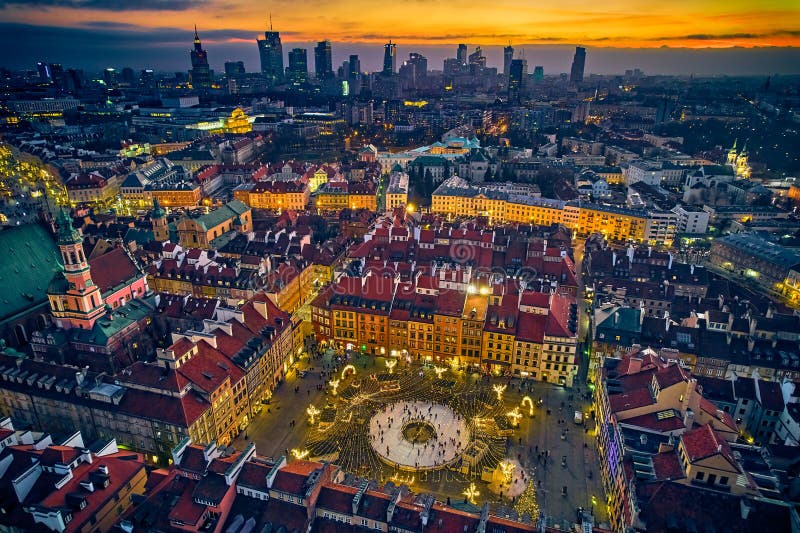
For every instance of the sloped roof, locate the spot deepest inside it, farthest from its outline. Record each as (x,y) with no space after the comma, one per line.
(30,257)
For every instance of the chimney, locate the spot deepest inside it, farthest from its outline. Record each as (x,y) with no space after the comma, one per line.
(744,507)
(688,419)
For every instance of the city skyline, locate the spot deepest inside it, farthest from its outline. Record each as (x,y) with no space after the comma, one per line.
(667,39)
(618,23)
(166,50)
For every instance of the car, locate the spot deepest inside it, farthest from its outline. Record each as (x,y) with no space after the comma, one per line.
(578,418)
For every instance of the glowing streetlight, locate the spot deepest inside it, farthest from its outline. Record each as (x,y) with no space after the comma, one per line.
(334,383)
(312,413)
(299,454)
(514,415)
(527,399)
(471,493)
(439,371)
(390,364)
(348,368)
(499,390)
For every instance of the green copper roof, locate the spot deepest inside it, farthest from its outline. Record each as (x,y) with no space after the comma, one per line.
(228,211)
(67,234)
(158,211)
(30,257)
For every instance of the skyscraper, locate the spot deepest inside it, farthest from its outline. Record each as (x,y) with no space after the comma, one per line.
(508,55)
(517,74)
(201,72)
(234,68)
(477,58)
(355,66)
(389,58)
(461,54)
(578,63)
(323,62)
(538,73)
(420,63)
(270,51)
(297,71)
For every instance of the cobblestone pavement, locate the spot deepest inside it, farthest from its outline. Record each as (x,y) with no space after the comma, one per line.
(282,426)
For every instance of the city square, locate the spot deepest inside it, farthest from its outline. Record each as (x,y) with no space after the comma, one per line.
(519,429)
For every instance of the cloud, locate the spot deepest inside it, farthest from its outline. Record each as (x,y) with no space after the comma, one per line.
(109,5)
(727,36)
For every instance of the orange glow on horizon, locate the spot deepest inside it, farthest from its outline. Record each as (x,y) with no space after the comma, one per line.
(614,23)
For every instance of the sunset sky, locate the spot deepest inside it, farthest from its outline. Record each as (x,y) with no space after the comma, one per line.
(610,23)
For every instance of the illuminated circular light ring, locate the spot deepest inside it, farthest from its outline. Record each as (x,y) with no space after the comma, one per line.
(396,450)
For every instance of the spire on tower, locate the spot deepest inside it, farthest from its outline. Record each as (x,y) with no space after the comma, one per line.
(270,21)
(196,36)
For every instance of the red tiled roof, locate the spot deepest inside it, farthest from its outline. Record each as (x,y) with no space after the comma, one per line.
(630,400)
(703,442)
(292,478)
(530,327)
(337,498)
(122,466)
(718,414)
(112,269)
(668,466)
(61,455)
(652,421)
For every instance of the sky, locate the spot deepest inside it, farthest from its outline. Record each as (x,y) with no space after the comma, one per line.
(670,37)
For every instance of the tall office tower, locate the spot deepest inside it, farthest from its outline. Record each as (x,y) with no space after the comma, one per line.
(297,71)
(270,51)
(323,60)
(44,71)
(517,73)
(57,75)
(477,58)
(201,72)
(461,54)
(110,77)
(420,63)
(508,55)
(355,67)
(389,58)
(234,68)
(538,73)
(148,79)
(128,77)
(578,63)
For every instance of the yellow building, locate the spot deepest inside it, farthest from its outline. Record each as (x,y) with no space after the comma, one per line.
(277,195)
(92,188)
(201,231)
(341,195)
(615,223)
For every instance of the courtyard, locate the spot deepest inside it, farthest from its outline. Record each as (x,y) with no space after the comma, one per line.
(463,436)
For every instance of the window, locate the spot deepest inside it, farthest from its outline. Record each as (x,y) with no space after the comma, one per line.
(700,476)
(723,480)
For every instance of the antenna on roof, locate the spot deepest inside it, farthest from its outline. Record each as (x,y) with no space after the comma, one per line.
(270,21)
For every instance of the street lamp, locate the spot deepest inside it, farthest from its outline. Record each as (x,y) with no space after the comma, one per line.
(390,364)
(439,371)
(514,415)
(334,383)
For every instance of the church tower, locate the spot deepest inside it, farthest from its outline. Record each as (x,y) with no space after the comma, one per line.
(160,224)
(732,155)
(75,301)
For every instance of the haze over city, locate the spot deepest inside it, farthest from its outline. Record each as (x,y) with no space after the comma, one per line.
(622,33)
